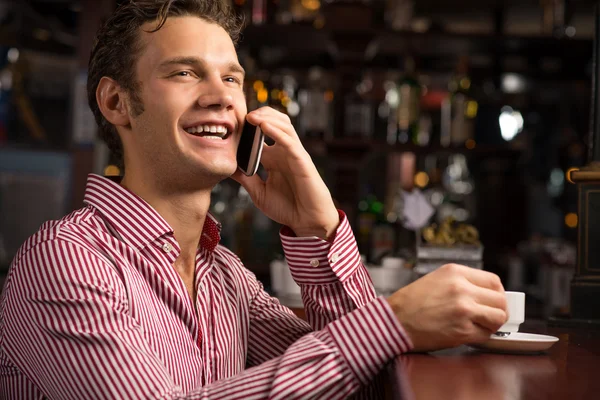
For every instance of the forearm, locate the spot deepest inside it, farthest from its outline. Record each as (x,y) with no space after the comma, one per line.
(332,363)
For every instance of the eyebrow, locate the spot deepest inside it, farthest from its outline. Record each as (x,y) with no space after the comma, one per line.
(197,62)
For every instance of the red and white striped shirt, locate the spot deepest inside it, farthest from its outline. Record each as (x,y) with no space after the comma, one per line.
(93,309)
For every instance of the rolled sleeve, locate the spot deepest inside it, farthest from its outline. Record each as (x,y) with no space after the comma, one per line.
(315,261)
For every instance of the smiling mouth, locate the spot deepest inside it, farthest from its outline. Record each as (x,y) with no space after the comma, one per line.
(216,132)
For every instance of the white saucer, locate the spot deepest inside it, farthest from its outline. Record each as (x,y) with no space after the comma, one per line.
(518,342)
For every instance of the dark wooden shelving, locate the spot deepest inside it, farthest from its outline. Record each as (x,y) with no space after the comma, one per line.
(353,147)
(301,45)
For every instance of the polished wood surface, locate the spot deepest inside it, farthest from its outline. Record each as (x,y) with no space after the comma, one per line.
(569,370)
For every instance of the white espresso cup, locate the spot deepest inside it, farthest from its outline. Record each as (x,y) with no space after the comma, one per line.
(515,304)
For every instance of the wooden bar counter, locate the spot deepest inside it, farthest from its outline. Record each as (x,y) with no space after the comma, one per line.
(569,370)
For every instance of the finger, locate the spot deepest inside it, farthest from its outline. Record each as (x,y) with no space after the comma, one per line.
(271,130)
(267,160)
(270,112)
(480,334)
(284,126)
(489,317)
(483,279)
(265,114)
(488,297)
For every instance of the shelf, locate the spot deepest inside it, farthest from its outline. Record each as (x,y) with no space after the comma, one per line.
(300,46)
(353,147)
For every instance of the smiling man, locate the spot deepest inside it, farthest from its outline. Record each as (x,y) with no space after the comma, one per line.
(132,297)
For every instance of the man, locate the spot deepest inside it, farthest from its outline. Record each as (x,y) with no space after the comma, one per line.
(132,297)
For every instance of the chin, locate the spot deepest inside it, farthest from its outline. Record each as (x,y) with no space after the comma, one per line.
(216,171)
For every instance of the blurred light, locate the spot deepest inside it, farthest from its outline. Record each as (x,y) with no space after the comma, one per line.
(13,55)
(421,179)
(392,217)
(437,199)
(311,5)
(262,96)
(465,83)
(392,97)
(571,220)
(511,123)
(471,110)
(557,177)
(293,109)
(112,170)
(570,31)
(220,207)
(258,85)
(470,144)
(275,93)
(460,215)
(556,182)
(329,96)
(377,206)
(513,83)
(363,205)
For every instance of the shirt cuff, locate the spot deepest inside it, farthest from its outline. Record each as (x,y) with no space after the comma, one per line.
(369,338)
(315,261)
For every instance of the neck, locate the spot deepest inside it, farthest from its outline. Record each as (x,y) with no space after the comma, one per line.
(184,209)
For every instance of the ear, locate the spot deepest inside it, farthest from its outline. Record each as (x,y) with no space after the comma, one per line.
(112,102)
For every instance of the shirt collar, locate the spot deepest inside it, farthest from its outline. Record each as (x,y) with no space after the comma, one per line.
(134,219)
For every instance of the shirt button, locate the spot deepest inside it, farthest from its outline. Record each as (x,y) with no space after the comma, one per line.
(314,263)
(335,257)
(202,287)
(167,247)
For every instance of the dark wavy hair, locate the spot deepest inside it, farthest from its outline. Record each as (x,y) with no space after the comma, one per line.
(117,48)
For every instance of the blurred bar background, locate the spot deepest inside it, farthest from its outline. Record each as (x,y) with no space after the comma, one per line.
(425,118)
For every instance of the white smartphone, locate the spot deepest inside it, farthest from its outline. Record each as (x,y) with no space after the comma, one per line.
(250,149)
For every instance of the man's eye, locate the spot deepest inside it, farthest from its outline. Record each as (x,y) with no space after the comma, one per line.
(233,79)
(183,73)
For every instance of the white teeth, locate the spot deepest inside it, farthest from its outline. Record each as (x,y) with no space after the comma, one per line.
(214,137)
(219,129)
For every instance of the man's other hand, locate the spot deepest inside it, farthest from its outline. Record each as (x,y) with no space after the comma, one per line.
(450,306)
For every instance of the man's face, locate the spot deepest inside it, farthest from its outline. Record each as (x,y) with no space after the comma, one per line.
(191,87)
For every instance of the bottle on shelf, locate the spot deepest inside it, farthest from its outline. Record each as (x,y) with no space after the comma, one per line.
(316,107)
(370,210)
(283,93)
(460,108)
(386,114)
(358,110)
(409,98)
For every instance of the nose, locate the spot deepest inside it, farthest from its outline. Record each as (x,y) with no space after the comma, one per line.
(215,95)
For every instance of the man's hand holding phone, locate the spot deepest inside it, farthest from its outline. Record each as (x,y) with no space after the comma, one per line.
(293,193)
